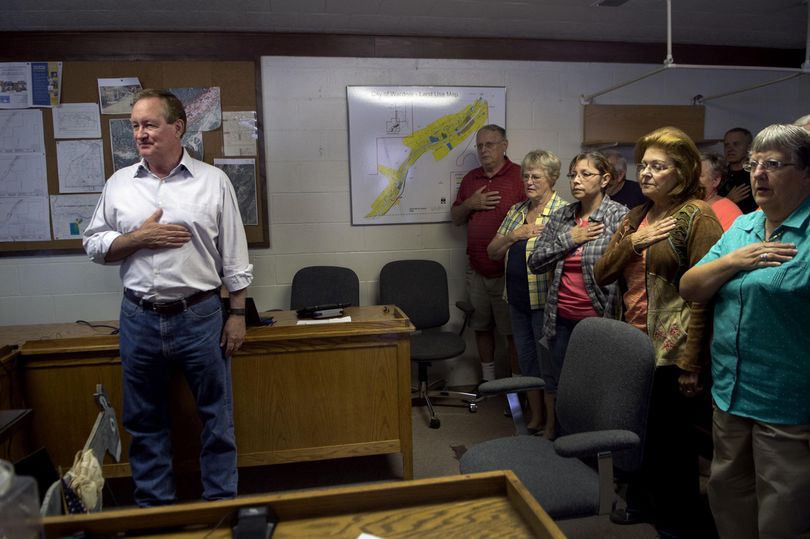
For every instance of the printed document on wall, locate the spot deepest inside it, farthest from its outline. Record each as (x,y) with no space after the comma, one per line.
(23,177)
(71,214)
(76,120)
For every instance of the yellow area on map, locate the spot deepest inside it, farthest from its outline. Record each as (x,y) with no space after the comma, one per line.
(438,138)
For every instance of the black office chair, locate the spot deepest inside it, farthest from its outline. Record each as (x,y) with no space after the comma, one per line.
(324,285)
(602,404)
(419,288)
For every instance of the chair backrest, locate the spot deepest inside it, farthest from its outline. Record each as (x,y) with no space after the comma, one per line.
(419,288)
(324,285)
(606,382)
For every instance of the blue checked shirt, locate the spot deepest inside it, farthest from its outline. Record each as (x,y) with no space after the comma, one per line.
(555,243)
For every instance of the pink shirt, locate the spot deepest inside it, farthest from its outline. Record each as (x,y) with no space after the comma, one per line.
(726,212)
(573,301)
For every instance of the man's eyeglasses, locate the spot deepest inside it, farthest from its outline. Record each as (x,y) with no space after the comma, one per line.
(768,165)
(488,145)
(584,174)
(656,166)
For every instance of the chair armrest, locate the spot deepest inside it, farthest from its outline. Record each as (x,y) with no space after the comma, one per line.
(515,384)
(589,444)
(465,306)
(468,310)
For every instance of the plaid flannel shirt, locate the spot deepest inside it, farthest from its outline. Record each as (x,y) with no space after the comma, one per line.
(515,217)
(555,243)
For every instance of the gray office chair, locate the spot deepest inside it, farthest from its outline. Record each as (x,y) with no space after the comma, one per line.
(324,285)
(602,404)
(419,288)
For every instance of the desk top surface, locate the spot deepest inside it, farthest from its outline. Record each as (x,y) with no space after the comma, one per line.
(376,319)
(491,504)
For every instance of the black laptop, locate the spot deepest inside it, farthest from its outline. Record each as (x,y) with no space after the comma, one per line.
(252,317)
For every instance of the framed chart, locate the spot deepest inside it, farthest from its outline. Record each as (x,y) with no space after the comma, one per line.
(410,146)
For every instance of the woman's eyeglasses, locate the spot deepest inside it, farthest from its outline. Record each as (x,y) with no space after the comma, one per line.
(584,174)
(656,167)
(768,165)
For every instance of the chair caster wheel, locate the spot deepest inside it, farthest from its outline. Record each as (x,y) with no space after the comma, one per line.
(473,407)
(435,423)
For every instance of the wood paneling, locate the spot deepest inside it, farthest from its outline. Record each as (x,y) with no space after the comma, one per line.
(624,124)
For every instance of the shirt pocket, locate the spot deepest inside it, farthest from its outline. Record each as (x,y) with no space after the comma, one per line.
(791,278)
(194,216)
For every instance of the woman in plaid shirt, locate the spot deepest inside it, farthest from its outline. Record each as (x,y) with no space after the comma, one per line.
(526,292)
(575,237)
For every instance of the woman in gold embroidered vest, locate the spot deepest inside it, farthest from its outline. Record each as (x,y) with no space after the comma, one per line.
(654,246)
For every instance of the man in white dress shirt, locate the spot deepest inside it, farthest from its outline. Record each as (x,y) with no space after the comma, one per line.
(172,223)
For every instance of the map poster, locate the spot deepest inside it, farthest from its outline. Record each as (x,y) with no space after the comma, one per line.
(242,173)
(409,147)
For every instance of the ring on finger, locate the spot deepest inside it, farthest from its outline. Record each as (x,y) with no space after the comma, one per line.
(764,257)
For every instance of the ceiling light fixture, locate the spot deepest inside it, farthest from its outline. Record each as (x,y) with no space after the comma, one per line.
(608,3)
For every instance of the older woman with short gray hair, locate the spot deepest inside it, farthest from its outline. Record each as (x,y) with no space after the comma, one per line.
(758,276)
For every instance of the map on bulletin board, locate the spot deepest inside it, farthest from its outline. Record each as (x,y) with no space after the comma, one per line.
(410,146)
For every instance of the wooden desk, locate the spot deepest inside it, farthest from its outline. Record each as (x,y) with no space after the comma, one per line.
(492,504)
(300,392)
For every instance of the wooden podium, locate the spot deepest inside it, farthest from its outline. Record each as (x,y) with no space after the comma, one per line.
(301,392)
(485,505)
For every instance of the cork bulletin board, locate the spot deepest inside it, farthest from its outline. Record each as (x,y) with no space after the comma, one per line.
(239,92)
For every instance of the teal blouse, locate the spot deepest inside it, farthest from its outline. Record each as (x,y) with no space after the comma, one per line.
(761,343)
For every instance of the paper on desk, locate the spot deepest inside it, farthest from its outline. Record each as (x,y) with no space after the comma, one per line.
(336,320)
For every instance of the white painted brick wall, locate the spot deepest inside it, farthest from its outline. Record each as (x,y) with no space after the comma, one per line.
(305,127)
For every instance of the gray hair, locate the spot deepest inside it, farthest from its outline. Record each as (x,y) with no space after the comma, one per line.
(790,139)
(493,127)
(620,164)
(804,121)
(717,163)
(545,161)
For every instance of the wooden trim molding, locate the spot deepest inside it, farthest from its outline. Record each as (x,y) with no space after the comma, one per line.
(19,46)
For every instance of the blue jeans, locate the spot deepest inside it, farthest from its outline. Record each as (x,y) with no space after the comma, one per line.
(559,345)
(152,345)
(527,329)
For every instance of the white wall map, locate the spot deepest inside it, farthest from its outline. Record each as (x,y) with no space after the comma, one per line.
(409,147)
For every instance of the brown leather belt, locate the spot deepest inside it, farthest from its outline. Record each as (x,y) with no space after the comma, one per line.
(169,307)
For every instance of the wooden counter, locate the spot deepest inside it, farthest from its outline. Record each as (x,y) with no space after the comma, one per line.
(300,392)
(492,504)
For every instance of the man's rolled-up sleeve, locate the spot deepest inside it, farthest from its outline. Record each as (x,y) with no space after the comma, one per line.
(237,271)
(99,235)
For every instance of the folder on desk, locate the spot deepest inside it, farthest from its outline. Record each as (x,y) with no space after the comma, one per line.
(331,310)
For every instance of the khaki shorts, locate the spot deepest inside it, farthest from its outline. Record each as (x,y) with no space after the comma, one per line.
(491,310)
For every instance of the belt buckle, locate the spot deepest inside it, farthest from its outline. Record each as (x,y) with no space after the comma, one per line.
(168,307)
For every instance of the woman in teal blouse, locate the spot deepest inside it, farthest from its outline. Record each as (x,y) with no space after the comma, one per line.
(758,275)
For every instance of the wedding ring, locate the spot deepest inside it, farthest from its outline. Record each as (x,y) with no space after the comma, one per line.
(764,257)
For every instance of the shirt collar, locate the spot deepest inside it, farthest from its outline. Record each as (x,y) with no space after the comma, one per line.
(571,210)
(186,164)
(797,219)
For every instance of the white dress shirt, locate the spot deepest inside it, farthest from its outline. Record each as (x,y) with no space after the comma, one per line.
(196,195)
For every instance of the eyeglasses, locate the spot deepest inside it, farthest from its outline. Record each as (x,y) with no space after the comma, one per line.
(488,145)
(535,178)
(584,174)
(657,167)
(768,165)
